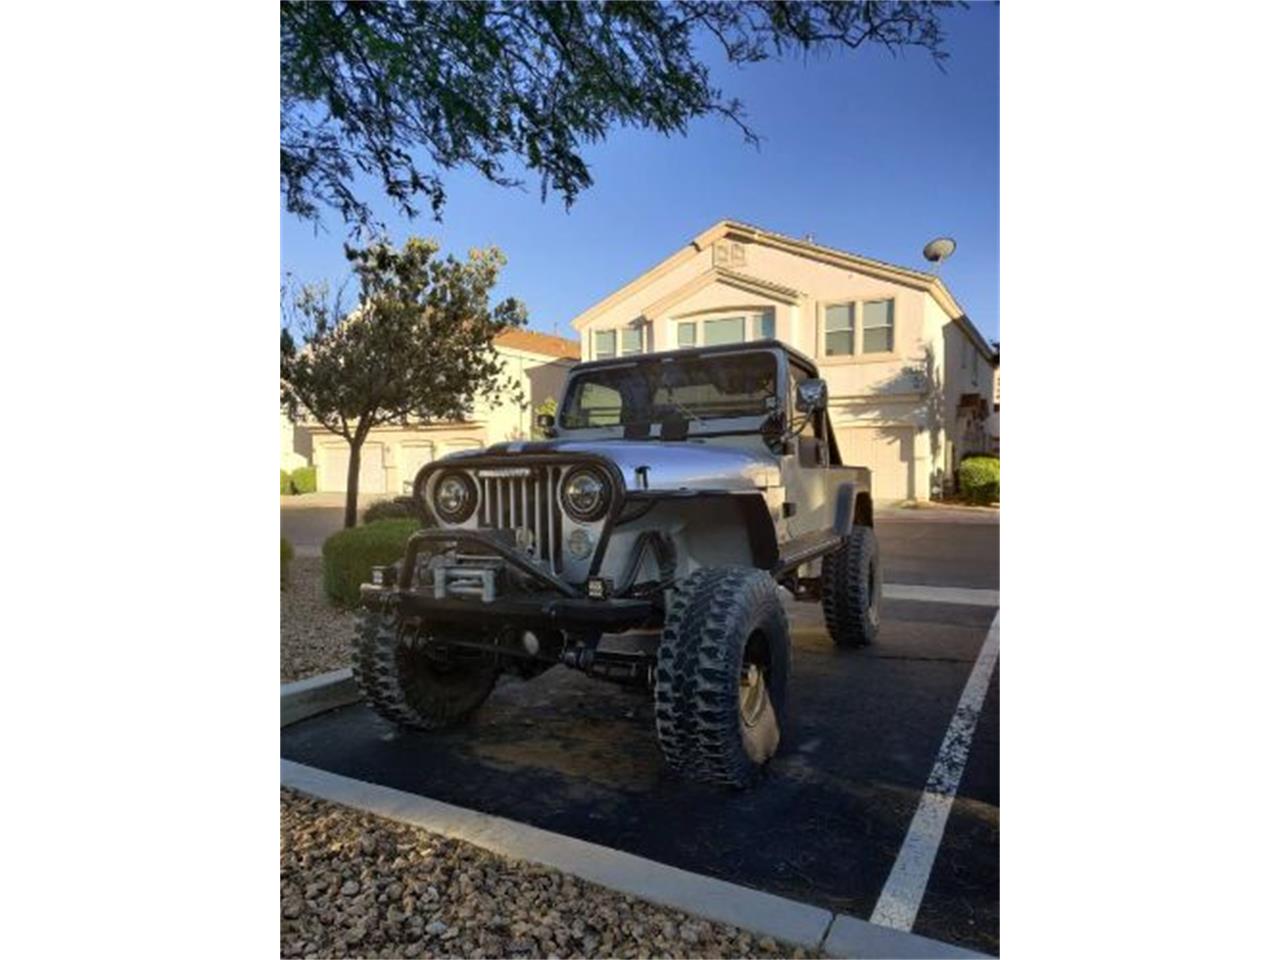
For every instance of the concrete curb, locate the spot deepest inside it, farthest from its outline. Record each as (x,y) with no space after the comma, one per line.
(930,594)
(318,694)
(762,913)
(851,937)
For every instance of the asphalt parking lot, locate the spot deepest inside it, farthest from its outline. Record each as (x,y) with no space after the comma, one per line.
(579,757)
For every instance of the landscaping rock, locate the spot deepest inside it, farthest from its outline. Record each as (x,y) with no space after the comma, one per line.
(419,894)
(315,636)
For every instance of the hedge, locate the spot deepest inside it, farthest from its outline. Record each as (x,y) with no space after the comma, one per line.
(980,479)
(304,480)
(401,508)
(286,554)
(350,554)
(286,485)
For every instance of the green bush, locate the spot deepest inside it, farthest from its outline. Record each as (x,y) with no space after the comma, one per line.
(401,508)
(349,555)
(286,485)
(980,479)
(304,480)
(286,554)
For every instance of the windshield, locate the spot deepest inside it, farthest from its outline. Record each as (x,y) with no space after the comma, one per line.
(690,388)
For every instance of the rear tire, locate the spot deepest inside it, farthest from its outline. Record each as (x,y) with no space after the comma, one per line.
(405,684)
(851,589)
(721,681)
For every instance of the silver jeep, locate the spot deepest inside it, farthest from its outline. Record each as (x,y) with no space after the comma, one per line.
(643,543)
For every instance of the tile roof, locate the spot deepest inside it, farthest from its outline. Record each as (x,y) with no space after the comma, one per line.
(533,342)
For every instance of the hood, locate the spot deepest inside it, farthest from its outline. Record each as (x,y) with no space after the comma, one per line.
(687,465)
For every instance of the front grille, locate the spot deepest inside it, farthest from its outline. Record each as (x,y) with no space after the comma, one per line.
(531,503)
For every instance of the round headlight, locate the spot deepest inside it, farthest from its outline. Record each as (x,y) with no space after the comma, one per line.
(455,497)
(585,494)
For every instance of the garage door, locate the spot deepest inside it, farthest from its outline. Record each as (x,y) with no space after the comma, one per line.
(888,452)
(333,469)
(373,478)
(413,456)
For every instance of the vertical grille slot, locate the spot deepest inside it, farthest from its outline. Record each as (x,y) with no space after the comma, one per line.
(557,526)
(527,503)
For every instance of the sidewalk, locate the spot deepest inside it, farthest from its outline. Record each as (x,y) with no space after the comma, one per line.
(930,512)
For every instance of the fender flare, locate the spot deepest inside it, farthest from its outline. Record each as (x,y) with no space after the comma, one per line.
(852,509)
(762,538)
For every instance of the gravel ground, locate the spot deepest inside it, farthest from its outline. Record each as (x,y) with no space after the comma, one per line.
(315,637)
(354,885)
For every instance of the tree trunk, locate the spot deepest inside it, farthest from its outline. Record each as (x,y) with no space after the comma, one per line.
(353,481)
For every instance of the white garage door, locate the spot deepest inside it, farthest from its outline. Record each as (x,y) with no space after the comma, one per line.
(413,456)
(888,451)
(373,478)
(333,469)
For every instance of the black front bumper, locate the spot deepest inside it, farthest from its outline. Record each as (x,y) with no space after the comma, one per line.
(552,604)
(526,610)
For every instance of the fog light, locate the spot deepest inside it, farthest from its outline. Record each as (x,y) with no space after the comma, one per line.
(599,588)
(580,543)
(530,643)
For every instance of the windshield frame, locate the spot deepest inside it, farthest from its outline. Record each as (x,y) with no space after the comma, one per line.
(702,426)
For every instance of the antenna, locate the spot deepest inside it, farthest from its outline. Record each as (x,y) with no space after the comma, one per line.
(937,250)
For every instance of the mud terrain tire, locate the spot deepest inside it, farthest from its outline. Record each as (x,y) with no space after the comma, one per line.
(721,681)
(404,684)
(851,589)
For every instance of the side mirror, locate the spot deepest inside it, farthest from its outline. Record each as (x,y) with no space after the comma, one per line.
(546,423)
(811,395)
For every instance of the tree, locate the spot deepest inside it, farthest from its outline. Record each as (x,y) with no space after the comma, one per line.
(416,347)
(404,91)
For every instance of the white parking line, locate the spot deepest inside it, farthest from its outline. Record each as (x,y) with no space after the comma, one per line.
(900,899)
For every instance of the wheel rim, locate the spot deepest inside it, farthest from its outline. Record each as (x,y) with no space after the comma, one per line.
(753,695)
(873,594)
(760,731)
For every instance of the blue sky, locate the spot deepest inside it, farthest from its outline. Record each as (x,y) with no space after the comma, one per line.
(867,152)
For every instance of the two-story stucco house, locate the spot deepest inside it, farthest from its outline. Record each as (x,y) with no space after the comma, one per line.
(909,376)
(393,454)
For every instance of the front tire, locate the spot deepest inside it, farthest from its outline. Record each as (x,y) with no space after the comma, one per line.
(721,681)
(851,589)
(404,683)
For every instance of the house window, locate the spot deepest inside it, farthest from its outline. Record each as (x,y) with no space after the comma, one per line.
(973,364)
(877,326)
(758,325)
(839,330)
(724,330)
(632,340)
(619,343)
(606,344)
